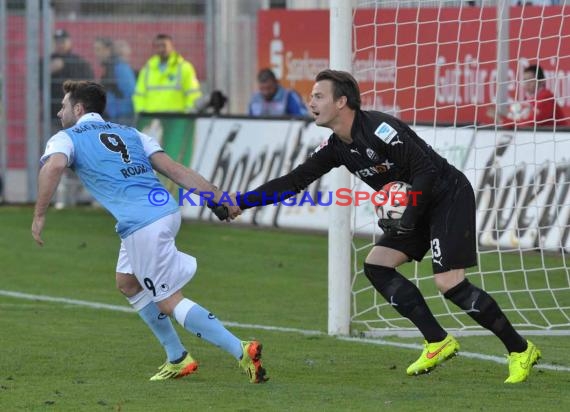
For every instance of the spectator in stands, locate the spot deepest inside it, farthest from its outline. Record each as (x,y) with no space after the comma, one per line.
(118,79)
(272,99)
(538,107)
(123,50)
(64,65)
(167,82)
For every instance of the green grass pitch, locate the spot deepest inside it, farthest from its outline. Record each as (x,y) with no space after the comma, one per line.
(58,356)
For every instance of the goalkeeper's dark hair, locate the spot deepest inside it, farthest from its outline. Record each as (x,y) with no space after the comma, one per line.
(344,84)
(90,94)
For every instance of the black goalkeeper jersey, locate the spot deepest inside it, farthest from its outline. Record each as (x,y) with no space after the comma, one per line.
(383,149)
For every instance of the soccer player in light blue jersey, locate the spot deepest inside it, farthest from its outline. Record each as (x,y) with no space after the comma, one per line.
(116,164)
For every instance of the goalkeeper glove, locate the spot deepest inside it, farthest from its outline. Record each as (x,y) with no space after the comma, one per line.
(394,227)
(221,211)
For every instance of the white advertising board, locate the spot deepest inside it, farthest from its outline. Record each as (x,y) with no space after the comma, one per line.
(521,184)
(241,154)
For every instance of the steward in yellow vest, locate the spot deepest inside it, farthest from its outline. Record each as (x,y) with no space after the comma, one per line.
(167,82)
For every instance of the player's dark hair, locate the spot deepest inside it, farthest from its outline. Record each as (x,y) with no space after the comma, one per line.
(344,84)
(90,94)
(266,75)
(536,70)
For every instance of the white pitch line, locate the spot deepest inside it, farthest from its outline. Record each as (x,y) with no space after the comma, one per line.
(43,298)
(307,332)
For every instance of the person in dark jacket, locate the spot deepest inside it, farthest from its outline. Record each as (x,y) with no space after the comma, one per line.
(119,80)
(64,65)
(272,99)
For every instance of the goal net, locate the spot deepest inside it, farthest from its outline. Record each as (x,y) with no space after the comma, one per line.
(447,68)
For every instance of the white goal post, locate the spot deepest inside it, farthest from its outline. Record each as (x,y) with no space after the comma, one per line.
(440,66)
(339,250)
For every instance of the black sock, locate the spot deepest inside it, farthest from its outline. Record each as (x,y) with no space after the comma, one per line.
(486,312)
(406,298)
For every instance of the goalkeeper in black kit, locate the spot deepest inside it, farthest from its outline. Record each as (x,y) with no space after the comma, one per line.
(379,148)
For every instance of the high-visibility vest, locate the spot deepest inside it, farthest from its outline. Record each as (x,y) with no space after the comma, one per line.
(174,89)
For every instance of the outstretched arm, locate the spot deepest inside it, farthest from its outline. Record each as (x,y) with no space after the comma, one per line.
(289,185)
(48,179)
(189,179)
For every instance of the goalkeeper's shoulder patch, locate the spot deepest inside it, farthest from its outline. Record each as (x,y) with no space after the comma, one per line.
(385,132)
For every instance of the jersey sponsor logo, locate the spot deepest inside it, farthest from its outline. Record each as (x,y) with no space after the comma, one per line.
(374,170)
(368,172)
(384,166)
(371,154)
(386,133)
(355,151)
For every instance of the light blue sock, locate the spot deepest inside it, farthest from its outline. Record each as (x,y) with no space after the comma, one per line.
(163,329)
(205,325)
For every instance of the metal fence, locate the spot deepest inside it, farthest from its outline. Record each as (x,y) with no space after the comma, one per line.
(217,37)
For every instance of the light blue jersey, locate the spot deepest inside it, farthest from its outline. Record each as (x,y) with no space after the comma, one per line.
(113,163)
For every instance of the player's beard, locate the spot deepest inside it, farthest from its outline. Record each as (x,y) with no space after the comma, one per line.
(66,123)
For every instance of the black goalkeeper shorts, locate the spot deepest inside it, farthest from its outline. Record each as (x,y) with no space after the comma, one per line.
(447,227)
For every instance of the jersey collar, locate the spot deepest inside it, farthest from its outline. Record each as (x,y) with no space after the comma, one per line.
(90,117)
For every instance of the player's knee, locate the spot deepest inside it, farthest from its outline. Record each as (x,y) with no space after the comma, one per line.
(442,284)
(386,280)
(378,275)
(395,288)
(448,280)
(127,284)
(464,294)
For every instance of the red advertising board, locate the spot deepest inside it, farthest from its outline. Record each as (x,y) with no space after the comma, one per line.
(435,65)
